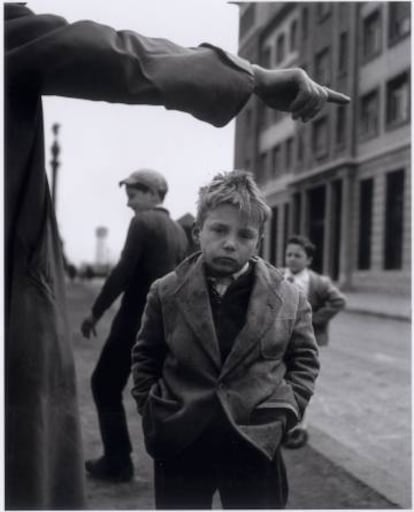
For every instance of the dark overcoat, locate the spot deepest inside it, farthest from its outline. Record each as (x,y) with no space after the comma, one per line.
(46,55)
(178,375)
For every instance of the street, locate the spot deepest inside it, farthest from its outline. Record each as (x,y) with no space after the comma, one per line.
(362,403)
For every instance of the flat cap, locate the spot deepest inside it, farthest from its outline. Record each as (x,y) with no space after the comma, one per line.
(148,177)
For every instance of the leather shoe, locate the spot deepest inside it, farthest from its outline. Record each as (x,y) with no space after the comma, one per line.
(110,470)
(296,438)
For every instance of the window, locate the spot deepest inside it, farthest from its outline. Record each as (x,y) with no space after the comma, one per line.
(280,48)
(322,71)
(297,211)
(323,9)
(366,188)
(336,228)
(247,19)
(305,23)
(289,153)
(369,122)
(398,100)
(299,146)
(343,53)
(394,208)
(371,35)
(263,111)
(293,43)
(320,137)
(344,10)
(261,177)
(276,163)
(273,236)
(340,129)
(265,57)
(286,223)
(399,20)
(248,123)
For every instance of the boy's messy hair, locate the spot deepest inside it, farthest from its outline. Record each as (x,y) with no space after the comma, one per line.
(304,242)
(237,188)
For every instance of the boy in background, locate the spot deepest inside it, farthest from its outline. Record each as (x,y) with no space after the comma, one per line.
(154,245)
(325,299)
(225,361)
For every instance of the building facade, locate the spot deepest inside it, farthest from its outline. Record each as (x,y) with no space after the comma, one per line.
(342,179)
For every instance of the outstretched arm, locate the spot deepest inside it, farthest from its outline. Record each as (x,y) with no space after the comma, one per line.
(93,61)
(89,60)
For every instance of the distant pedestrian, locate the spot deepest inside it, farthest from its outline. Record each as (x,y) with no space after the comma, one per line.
(155,244)
(325,299)
(225,361)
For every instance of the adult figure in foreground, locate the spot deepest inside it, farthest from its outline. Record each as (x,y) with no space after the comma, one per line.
(154,246)
(45,55)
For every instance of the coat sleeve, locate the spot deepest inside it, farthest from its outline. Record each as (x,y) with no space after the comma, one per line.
(93,61)
(149,351)
(331,301)
(123,271)
(301,359)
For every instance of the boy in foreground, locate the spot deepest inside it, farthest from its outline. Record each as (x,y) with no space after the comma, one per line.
(225,361)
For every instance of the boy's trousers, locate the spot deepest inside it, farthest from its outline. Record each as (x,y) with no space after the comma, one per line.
(220,460)
(108,383)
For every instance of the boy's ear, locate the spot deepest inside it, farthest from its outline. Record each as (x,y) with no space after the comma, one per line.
(196,233)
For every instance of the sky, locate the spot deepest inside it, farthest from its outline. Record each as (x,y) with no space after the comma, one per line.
(102,143)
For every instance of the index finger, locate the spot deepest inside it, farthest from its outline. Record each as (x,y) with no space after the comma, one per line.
(337,97)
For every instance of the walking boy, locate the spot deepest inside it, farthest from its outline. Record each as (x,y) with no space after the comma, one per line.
(325,299)
(225,361)
(155,244)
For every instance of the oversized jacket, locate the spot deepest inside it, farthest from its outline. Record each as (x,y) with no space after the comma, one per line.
(178,376)
(46,55)
(326,301)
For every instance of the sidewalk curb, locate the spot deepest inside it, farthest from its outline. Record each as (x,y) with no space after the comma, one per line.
(380,314)
(360,467)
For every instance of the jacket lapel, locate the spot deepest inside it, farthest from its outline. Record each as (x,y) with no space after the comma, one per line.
(263,305)
(194,303)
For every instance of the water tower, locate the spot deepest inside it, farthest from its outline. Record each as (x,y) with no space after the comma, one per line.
(101,249)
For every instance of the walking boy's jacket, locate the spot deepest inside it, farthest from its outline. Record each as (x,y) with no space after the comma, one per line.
(179,378)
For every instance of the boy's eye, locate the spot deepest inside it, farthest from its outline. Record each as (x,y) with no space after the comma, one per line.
(218,229)
(247,235)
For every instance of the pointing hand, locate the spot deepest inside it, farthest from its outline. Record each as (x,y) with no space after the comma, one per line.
(292,90)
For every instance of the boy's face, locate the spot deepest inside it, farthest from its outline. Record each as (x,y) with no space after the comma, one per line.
(227,239)
(296,258)
(139,200)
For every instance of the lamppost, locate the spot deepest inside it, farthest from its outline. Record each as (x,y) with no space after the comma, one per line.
(55,149)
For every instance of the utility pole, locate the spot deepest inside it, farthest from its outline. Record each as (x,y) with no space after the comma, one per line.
(55,149)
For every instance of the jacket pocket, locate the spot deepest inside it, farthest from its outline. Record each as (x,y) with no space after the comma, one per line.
(273,344)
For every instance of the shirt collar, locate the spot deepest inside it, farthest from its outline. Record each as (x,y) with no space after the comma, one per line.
(222,283)
(303,275)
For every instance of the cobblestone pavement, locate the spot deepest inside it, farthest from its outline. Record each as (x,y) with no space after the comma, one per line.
(315,481)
